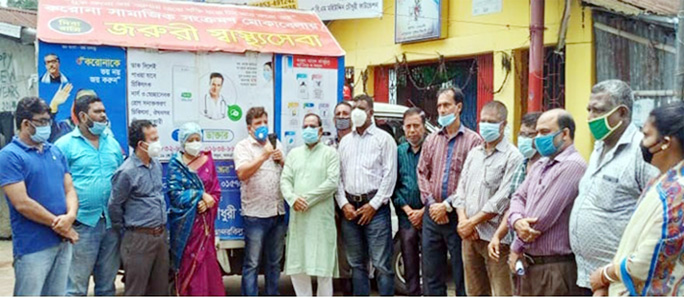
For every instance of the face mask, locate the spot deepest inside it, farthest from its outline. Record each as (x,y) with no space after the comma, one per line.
(154,149)
(646,152)
(267,75)
(310,135)
(600,127)
(490,131)
(446,120)
(261,133)
(42,133)
(545,145)
(358,117)
(342,123)
(193,148)
(525,147)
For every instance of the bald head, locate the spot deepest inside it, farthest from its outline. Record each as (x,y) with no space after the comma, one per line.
(556,120)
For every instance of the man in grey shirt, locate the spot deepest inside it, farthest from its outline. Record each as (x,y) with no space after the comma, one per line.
(137,208)
(611,186)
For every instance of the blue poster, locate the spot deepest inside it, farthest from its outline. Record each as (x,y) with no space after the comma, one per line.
(229,223)
(66,69)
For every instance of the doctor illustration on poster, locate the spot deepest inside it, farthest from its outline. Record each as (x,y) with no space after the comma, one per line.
(215,106)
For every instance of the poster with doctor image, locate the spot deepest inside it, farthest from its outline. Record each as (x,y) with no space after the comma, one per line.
(214,90)
(308,85)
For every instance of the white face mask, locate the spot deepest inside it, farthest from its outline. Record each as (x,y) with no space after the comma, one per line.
(358,117)
(154,149)
(193,148)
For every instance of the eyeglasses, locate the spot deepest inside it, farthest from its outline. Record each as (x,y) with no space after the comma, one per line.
(41,122)
(309,126)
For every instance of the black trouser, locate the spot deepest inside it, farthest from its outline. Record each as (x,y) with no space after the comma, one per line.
(410,251)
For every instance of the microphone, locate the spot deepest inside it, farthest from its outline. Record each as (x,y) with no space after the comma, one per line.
(273,138)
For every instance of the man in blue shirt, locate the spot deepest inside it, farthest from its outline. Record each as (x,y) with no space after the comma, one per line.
(43,203)
(406,198)
(93,155)
(137,209)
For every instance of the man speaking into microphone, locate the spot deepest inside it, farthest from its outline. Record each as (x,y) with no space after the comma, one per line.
(259,163)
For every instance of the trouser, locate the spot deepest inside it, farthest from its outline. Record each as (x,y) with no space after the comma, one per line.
(555,278)
(263,236)
(343,264)
(302,285)
(146,263)
(44,272)
(375,241)
(484,276)
(96,253)
(437,241)
(410,252)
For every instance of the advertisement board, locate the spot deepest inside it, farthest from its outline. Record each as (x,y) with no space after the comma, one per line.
(419,20)
(214,90)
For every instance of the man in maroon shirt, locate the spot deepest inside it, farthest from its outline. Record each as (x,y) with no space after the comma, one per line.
(439,169)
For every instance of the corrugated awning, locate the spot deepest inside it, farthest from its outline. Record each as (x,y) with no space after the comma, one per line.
(184,26)
(637,7)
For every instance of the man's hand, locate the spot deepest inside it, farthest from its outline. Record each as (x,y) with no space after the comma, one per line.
(493,248)
(438,213)
(72,236)
(473,236)
(367,212)
(524,229)
(209,201)
(300,204)
(349,212)
(268,151)
(60,97)
(513,257)
(201,206)
(466,228)
(416,218)
(62,224)
(277,156)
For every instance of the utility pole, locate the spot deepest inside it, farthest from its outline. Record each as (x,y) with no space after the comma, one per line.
(536,74)
(679,72)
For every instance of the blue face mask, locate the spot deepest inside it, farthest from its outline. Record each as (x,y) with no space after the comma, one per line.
(97,127)
(446,120)
(490,131)
(310,135)
(261,133)
(545,145)
(42,133)
(525,147)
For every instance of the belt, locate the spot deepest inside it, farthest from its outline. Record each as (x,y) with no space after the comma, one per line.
(540,260)
(155,231)
(361,199)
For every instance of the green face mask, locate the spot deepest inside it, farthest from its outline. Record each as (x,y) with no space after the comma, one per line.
(600,127)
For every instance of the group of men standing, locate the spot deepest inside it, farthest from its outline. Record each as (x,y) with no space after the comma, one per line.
(456,192)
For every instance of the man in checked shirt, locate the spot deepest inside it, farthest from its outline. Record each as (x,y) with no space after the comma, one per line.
(439,169)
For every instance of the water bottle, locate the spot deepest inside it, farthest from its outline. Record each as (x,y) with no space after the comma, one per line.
(519,267)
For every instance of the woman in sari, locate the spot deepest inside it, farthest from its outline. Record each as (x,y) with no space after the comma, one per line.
(194,193)
(650,257)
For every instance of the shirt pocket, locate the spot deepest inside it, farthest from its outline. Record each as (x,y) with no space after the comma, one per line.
(606,188)
(493,176)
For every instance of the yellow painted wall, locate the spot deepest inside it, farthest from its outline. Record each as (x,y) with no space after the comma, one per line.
(370,42)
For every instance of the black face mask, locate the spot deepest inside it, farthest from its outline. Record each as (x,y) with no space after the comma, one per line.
(646,153)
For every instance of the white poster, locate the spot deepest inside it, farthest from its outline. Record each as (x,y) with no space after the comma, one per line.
(309,85)
(325,9)
(482,7)
(417,20)
(214,90)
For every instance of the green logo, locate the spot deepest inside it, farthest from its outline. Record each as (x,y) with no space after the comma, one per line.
(186,96)
(234,113)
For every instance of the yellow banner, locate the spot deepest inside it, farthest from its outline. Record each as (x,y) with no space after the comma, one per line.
(292,4)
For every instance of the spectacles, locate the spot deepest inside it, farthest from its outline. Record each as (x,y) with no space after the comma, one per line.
(42,122)
(309,126)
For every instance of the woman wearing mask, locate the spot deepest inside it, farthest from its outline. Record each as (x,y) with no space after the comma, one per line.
(648,260)
(194,193)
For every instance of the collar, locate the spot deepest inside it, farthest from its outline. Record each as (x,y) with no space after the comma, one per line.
(564,155)
(370,130)
(461,130)
(253,140)
(502,146)
(409,148)
(138,162)
(625,139)
(26,147)
(315,146)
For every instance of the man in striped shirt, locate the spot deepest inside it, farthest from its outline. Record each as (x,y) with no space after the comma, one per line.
(368,165)
(439,169)
(482,198)
(540,210)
